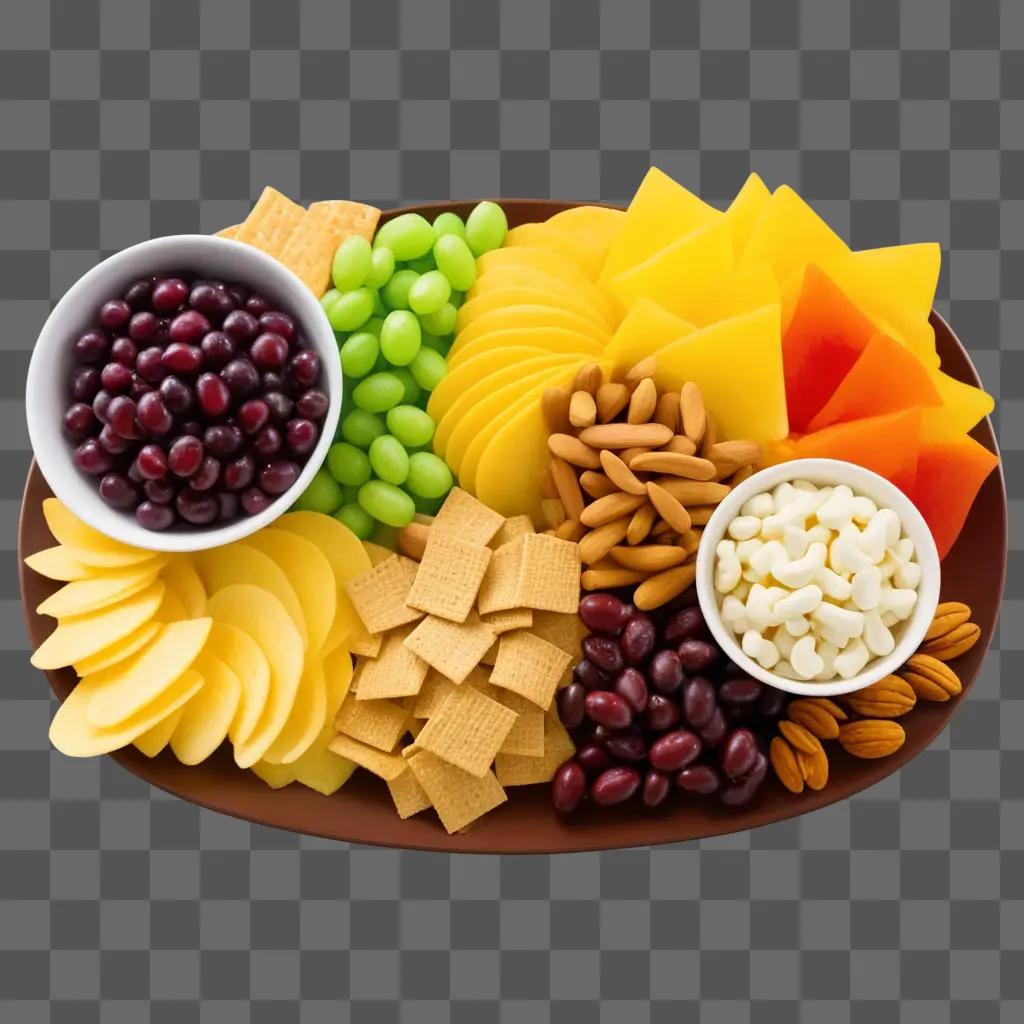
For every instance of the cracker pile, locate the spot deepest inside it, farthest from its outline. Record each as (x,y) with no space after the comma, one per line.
(303,240)
(453,696)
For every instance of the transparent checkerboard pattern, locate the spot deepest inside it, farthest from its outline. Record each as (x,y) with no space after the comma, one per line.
(899,122)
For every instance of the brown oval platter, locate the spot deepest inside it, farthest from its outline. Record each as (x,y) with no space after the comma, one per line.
(362,812)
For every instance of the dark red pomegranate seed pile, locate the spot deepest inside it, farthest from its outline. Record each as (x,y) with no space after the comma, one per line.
(193,400)
(655,706)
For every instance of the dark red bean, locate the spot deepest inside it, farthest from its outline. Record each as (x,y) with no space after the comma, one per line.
(241,326)
(152,462)
(697,655)
(674,750)
(656,787)
(699,778)
(593,758)
(206,475)
(218,349)
(118,491)
(604,652)
(196,508)
(686,624)
(570,704)
(714,732)
(181,358)
(638,637)
(91,458)
(614,786)
(124,351)
(631,685)
(590,675)
(115,314)
(169,293)
(278,323)
(568,787)
(743,790)
(607,709)
(662,713)
(771,702)
(185,456)
(699,701)
(153,516)
(111,441)
(91,346)
(737,754)
(212,394)
(739,691)
(85,383)
(626,748)
(665,671)
(79,421)
(121,417)
(116,378)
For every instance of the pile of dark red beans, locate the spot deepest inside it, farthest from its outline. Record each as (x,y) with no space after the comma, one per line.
(654,706)
(193,400)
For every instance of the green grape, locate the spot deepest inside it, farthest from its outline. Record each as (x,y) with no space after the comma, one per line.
(378,392)
(389,459)
(432,341)
(357,519)
(328,299)
(349,495)
(412,389)
(382,266)
(423,265)
(351,309)
(442,320)
(457,298)
(379,309)
(359,353)
(412,426)
(429,369)
(486,227)
(348,464)
(322,495)
(360,427)
(396,291)
(387,503)
(351,263)
(407,236)
(428,476)
(455,261)
(400,337)
(428,506)
(449,224)
(429,293)
(373,325)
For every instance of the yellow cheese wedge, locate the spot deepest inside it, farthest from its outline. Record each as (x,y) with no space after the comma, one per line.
(89,546)
(181,578)
(118,651)
(59,563)
(154,740)
(89,595)
(246,659)
(644,329)
(77,638)
(738,291)
(548,339)
(519,295)
(204,723)
(562,243)
(595,226)
(910,273)
(527,316)
(306,719)
(745,210)
(964,406)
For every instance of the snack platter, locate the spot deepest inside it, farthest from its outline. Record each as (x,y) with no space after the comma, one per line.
(468,636)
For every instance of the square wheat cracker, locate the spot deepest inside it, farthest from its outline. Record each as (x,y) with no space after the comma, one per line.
(379,595)
(516,770)
(500,582)
(366,645)
(449,577)
(453,648)
(529,666)
(383,765)
(432,694)
(562,629)
(408,795)
(228,232)
(549,578)
(467,730)
(506,621)
(270,222)
(395,672)
(513,527)
(458,797)
(376,552)
(380,723)
(467,518)
(526,737)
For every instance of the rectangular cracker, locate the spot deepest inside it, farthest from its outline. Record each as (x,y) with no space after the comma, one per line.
(467,518)
(380,723)
(529,666)
(549,576)
(467,730)
(449,576)
(453,648)
(562,629)
(395,672)
(500,582)
(310,248)
(526,737)
(458,797)
(408,795)
(513,527)
(380,595)
(366,645)
(383,765)
(432,694)
(377,553)
(506,621)
(516,770)
(228,232)
(270,222)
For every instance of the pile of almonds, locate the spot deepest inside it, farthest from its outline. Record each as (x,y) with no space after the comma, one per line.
(797,754)
(635,474)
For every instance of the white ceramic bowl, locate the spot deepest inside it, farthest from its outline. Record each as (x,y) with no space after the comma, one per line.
(46,395)
(909,634)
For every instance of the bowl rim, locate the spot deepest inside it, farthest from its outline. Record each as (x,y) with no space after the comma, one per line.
(55,460)
(827,471)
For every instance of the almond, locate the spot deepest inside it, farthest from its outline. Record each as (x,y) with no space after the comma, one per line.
(814,767)
(826,705)
(641,523)
(930,678)
(589,378)
(571,530)
(657,590)
(741,474)
(643,402)
(629,454)
(611,400)
(690,541)
(699,515)
(691,407)
(608,579)
(645,368)
(784,762)
(597,485)
(688,466)
(611,507)
(693,492)
(625,435)
(959,640)
(735,453)
(554,406)
(597,543)
(871,737)
(947,617)
(669,508)
(573,450)
(888,698)
(568,486)
(648,558)
(815,720)
(412,540)
(582,409)
(667,410)
(553,512)
(680,444)
(620,474)
(710,435)
(547,483)
(799,736)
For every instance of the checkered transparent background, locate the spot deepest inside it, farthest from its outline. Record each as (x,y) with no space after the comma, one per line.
(899,121)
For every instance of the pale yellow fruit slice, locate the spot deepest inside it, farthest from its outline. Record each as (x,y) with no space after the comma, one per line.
(320,768)
(595,226)
(171,609)
(519,273)
(83,596)
(337,680)
(527,316)
(156,739)
(548,339)
(181,577)
(519,295)
(83,635)
(306,719)
(117,652)
(562,243)
(204,723)
(246,659)
(89,546)
(59,563)
(276,776)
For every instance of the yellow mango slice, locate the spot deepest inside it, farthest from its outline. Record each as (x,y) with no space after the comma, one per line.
(517,273)
(519,295)
(737,364)
(697,261)
(171,609)
(306,719)
(89,595)
(204,723)
(322,769)
(661,212)
(548,339)
(126,688)
(77,638)
(310,575)
(59,563)
(527,316)
(154,740)
(963,406)
(74,735)
(737,291)
(264,618)
(547,236)
(644,330)
(119,650)
(89,546)
(276,776)
(337,680)
(242,563)
(745,210)
(909,272)
(181,577)
(595,226)
(246,659)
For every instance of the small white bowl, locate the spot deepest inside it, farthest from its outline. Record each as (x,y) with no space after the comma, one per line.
(47,394)
(909,634)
